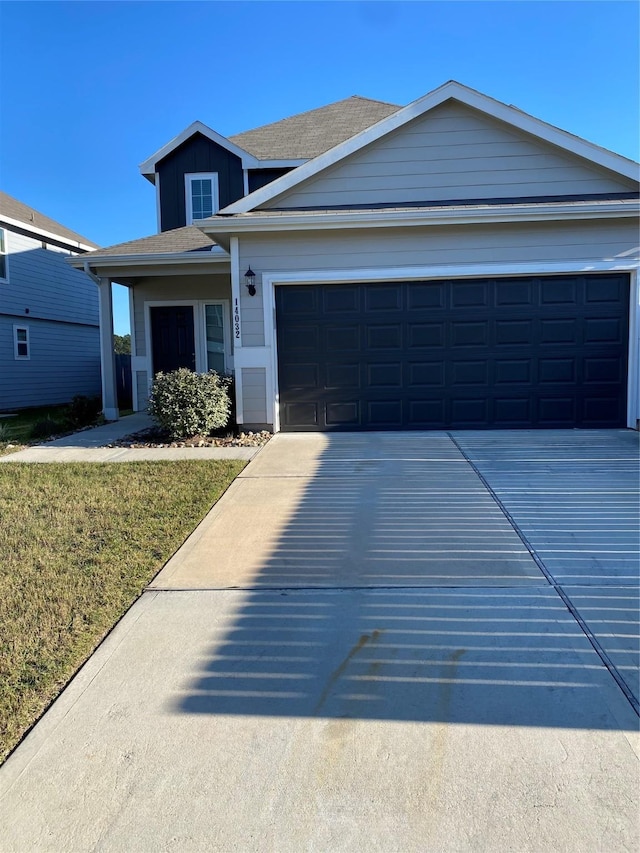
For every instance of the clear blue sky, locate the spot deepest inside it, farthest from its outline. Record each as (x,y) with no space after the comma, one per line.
(90,89)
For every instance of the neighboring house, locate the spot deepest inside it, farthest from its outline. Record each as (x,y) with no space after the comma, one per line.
(455,263)
(49,329)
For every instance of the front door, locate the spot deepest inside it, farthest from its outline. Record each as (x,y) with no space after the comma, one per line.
(172,338)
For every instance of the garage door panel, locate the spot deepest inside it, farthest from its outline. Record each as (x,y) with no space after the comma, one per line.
(513,332)
(512,371)
(426,374)
(345,413)
(517,352)
(426,335)
(554,370)
(342,339)
(383,298)
(431,296)
(342,299)
(469,334)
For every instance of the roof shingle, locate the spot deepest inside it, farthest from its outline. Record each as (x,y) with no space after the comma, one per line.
(187,239)
(311,133)
(30,217)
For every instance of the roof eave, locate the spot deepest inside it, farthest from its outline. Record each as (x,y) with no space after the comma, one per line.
(74,245)
(159,259)
(324,220)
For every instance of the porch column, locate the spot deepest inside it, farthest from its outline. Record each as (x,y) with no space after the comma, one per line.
(107,357)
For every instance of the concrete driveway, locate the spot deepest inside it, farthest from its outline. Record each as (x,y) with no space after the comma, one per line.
(408,642)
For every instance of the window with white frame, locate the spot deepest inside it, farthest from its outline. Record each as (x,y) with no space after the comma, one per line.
(215,337)
(4,270)
(201,195)
(21,349)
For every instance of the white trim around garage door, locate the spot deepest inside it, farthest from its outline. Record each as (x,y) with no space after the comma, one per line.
(272,279)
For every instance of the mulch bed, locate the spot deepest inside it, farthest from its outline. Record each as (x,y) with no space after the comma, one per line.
(154,437)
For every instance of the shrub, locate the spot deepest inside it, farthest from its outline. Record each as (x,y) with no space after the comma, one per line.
(46,427)
(186,404)
(84,411)
(6,433)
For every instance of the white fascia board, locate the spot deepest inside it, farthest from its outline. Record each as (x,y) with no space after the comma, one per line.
(254,223)
(148,168)
(219,257)
(74,245)
(451,90)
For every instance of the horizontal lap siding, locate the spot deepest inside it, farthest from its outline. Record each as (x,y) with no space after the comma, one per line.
(42,281)
(254,395)
(554,242)
(454,152)
(65,361)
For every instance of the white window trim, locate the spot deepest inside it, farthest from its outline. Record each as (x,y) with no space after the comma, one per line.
(5,255)
(195,176)
(200,332)
(16,354)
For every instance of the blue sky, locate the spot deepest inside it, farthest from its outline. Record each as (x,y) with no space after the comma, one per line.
(90,89)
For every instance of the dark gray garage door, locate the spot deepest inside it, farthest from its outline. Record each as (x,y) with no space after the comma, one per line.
(496,353)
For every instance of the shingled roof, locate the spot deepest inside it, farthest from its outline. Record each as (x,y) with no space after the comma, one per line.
(17,210)
(187,239)
(309,134)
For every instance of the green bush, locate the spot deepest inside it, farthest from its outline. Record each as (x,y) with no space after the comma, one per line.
(46,427)
(186,404)
(84,411)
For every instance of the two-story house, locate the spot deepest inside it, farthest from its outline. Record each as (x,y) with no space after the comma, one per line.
(452,263)
(49,325)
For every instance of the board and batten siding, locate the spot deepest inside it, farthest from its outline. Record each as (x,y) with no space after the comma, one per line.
(452,152)
(64,360)
(42,281)
(197,154)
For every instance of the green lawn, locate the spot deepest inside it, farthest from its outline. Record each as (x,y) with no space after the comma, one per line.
(78,544)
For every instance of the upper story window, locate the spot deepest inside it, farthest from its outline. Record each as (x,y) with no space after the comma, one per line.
(201,190)
(4,267)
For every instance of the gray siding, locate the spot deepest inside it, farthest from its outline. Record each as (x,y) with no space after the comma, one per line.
(254,395)
(65,361)
(197,154)
(581,242)
(453,152)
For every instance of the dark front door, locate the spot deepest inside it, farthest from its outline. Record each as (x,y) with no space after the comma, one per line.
(480,353)
(172,338)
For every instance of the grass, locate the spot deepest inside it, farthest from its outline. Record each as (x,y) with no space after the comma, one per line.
(78,544)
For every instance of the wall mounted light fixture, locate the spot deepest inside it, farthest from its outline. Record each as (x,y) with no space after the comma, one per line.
(250,281)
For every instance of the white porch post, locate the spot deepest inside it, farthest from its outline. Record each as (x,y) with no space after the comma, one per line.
(107,357)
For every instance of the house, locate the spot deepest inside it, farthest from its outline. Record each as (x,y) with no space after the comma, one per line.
(49,327)
(455,263)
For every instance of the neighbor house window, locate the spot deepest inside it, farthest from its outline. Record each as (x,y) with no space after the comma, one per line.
(201,192)
(4,273)
(21,342)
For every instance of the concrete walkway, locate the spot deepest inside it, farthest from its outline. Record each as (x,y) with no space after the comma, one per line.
(360,649)
(90,446)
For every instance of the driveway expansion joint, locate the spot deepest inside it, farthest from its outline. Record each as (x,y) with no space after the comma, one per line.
(604,657)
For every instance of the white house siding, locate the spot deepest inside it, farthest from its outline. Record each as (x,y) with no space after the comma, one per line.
(60,307)
(577,244)
(452,152)
(64,361)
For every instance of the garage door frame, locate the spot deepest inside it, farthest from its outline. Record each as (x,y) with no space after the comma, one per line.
(271,280)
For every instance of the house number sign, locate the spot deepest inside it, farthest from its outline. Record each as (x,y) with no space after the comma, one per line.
(236,319)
